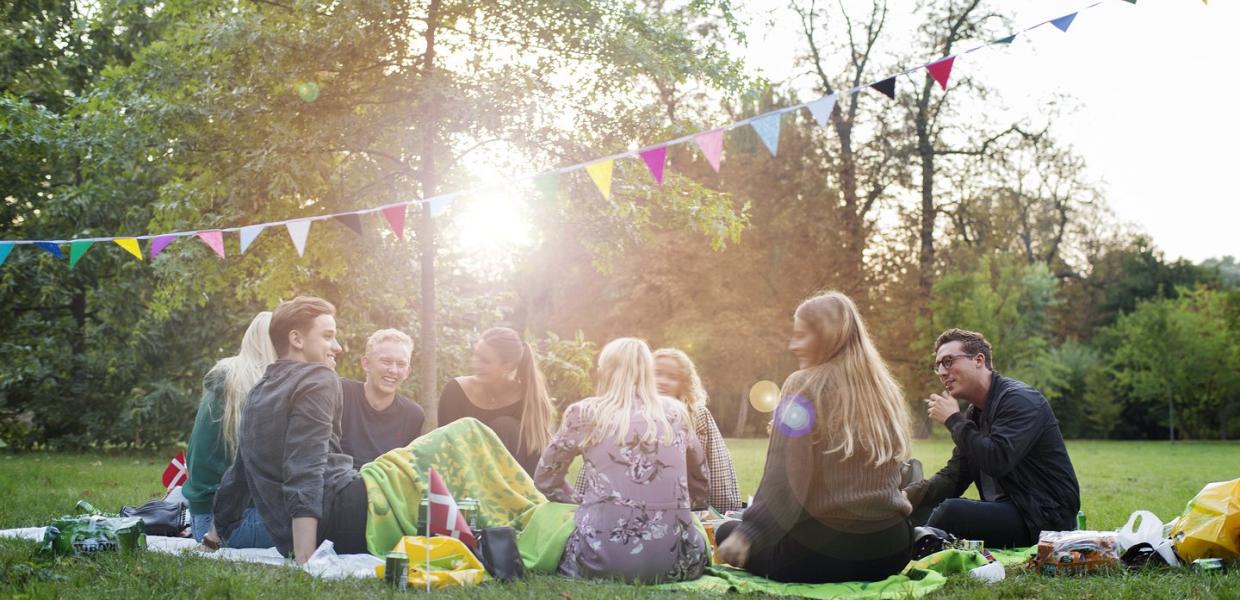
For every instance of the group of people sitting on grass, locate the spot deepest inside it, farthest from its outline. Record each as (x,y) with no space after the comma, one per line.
(279,438)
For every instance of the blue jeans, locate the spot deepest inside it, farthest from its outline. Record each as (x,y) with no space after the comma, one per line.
(249,534)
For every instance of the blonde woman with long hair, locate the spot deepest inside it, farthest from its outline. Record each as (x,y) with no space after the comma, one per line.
(677,377)
(644,471)
(507,392)
(213,442)
(829,507)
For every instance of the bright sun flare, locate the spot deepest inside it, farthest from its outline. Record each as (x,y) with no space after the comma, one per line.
(487,229)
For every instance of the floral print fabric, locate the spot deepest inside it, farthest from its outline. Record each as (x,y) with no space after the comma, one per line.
(634,522)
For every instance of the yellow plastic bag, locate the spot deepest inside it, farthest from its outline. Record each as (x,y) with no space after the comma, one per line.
(1210,526)
(451,563)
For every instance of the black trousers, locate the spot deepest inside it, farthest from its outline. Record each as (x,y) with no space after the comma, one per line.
(345,524)
(814,553)
(998,524)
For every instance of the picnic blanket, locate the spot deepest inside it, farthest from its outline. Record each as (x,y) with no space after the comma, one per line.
(543,539)
(473,464)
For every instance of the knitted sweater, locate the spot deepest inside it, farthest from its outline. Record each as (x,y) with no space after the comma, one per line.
(801,482)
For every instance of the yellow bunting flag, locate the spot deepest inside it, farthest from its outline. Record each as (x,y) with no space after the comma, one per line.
(130,245)
(600,172)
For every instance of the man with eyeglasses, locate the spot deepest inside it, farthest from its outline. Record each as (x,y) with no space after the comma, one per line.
(1008,444)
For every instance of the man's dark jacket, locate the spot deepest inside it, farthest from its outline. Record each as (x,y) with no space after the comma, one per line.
(1017,441)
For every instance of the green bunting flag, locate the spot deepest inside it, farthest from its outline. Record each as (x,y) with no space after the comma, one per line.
(76,250)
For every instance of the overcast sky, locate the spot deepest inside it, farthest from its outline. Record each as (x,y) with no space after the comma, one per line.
(1156,91)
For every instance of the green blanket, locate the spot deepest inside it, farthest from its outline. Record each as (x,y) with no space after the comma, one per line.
(473,464)
(546,532)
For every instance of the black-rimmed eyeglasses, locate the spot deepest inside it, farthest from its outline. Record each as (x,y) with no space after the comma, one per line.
(947,361)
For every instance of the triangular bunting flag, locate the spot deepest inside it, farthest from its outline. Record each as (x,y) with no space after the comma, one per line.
(214,239)
(158,244)
(50,248)
(248,235)
(1135,1)
(5,249)
(711,144)
(600,172)
(549,186)
(76,250)
(131,246)
(886,86)
(821,109)
(352,221)
(655,159)
(1064,22)
(941,70)
(396,218)
(439,204)
(299,230)
(767,127)
(1007,40)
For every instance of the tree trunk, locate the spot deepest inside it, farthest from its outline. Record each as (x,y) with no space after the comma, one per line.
(741,418)
(428,179)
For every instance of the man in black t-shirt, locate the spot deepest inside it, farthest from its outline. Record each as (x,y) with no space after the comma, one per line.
(377,418)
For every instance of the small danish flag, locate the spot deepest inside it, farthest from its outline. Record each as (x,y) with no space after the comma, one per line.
(445,518)
(176,473)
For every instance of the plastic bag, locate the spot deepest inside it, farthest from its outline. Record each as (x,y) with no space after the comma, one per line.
(1076,552)
(1151,531)
(451,563)
(87,534)
(1210,525)
(327,564)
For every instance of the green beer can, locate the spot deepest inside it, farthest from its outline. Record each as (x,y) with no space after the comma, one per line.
(396,570)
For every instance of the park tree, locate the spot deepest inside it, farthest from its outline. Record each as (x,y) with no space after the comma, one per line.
(1175,363)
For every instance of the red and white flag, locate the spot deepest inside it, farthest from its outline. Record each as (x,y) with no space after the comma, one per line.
(176,473)
(445,518)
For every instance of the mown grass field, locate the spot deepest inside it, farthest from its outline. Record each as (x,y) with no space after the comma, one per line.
(1116,478)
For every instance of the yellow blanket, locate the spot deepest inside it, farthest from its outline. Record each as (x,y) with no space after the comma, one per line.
(473,464)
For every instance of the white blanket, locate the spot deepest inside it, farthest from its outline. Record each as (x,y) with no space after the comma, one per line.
(323,563)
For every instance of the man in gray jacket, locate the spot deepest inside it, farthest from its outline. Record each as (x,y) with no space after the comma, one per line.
(289,462)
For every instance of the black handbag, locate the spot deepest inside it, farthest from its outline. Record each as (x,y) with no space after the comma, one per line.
(160,517)
(497,548)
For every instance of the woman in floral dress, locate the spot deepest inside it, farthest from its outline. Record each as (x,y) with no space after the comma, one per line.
(644,470)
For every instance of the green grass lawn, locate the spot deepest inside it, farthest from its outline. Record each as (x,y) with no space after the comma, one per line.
(1116,478)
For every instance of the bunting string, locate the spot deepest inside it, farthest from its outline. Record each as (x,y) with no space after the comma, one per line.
(710,142)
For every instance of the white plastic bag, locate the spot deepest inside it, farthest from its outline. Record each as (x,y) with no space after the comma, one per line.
(325,563)
(1150,531)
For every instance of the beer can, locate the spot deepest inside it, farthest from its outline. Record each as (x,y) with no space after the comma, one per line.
(1208,565)
(396,570)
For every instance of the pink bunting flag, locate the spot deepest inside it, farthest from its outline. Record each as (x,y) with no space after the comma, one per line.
(711,144)
(655,159)
(396,217)
(213,239)
(941,70)
(159,242)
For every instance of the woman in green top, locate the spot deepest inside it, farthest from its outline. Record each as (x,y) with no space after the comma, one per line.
(213,443)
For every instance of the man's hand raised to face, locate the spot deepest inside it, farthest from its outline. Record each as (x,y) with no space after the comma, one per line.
(940,407)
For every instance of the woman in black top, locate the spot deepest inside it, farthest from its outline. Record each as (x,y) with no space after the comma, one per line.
(507,392)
